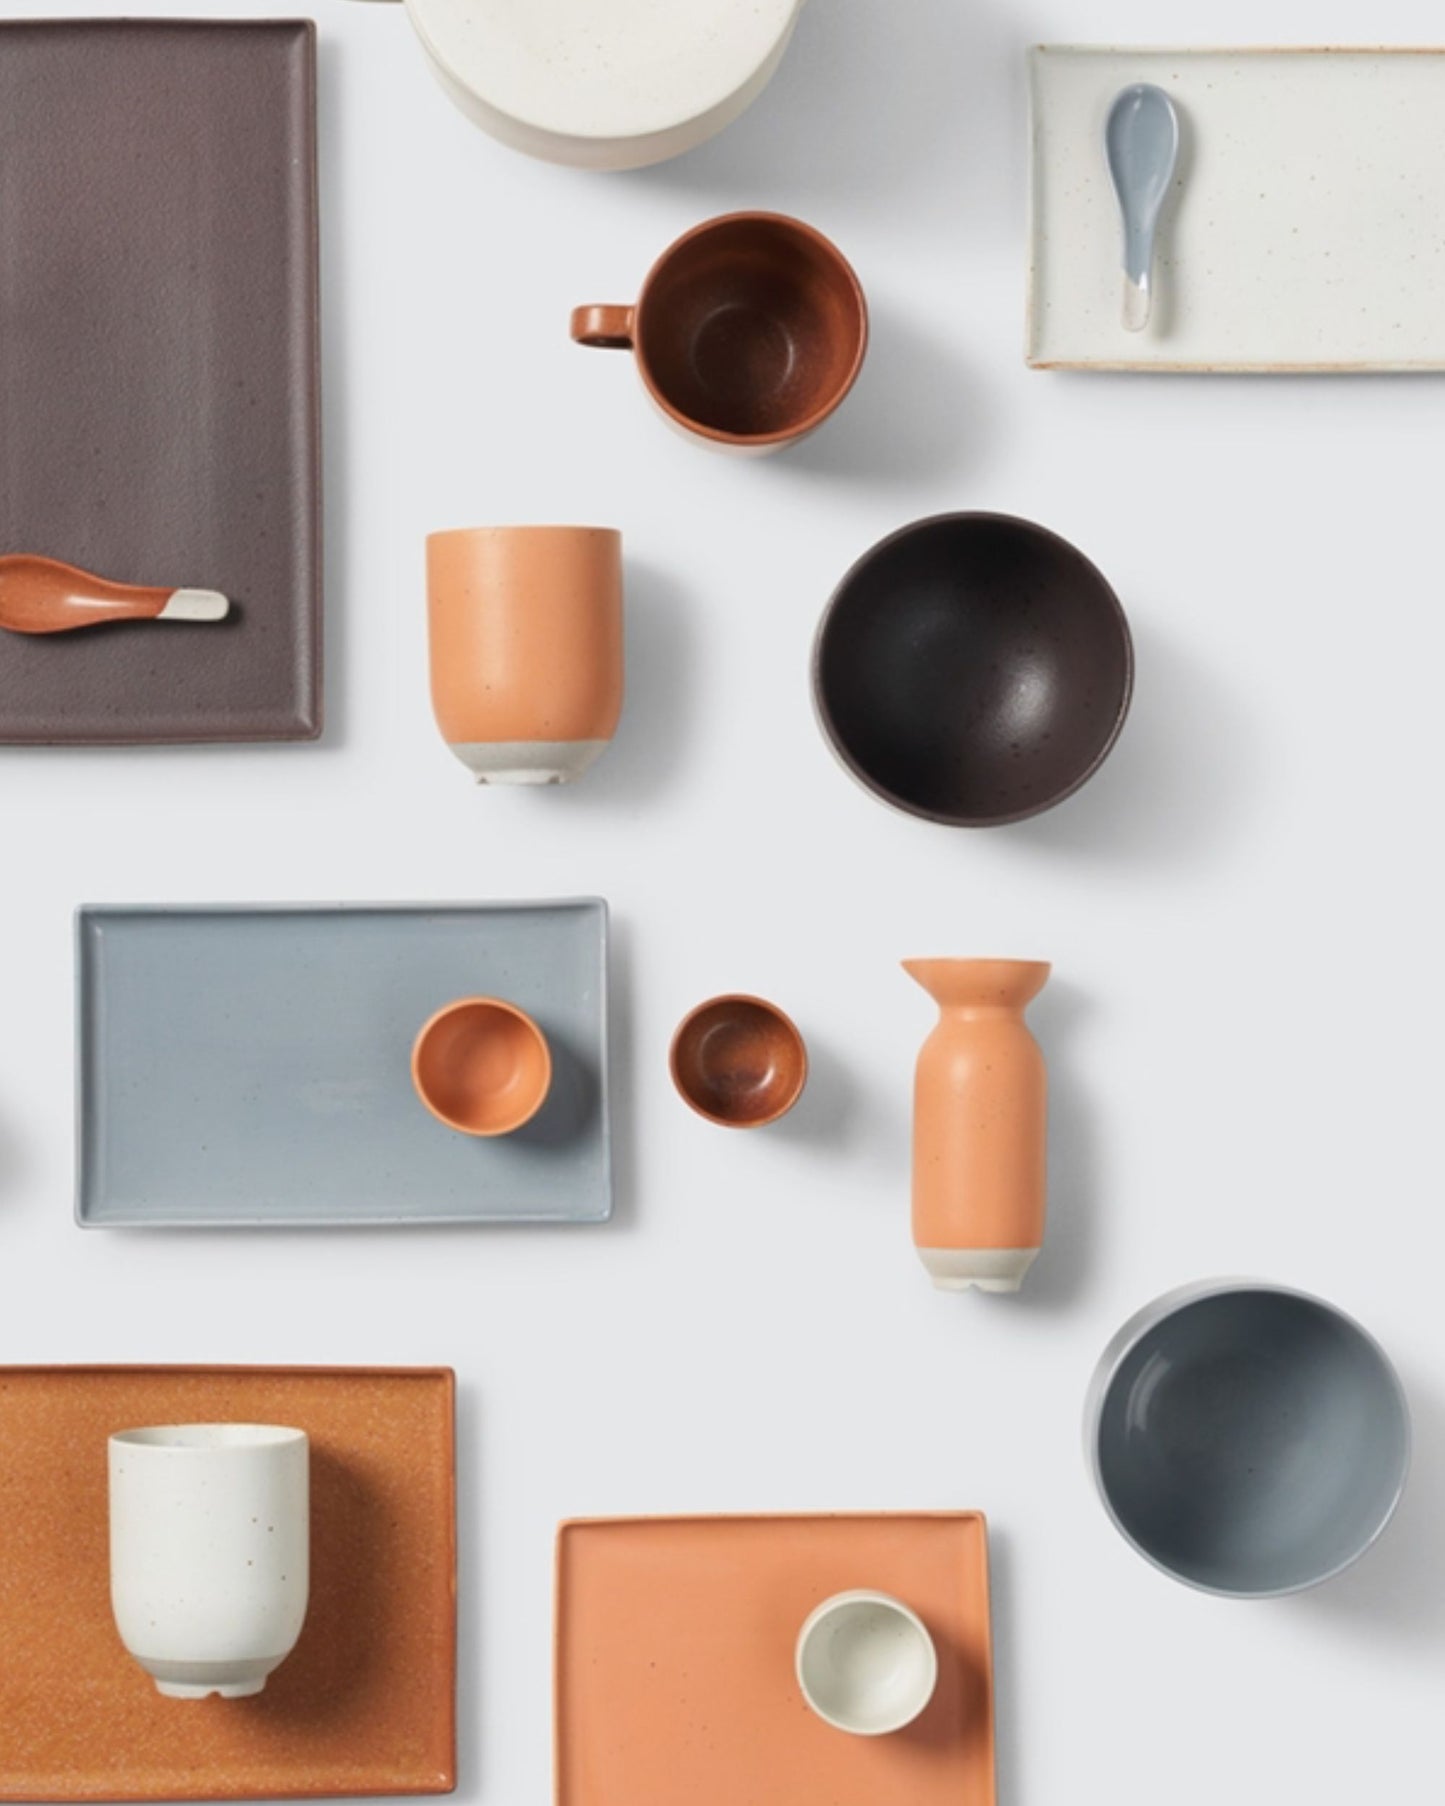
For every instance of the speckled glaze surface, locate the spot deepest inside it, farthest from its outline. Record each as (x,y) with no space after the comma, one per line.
(482,1066)
(980,1118)
(604,87)
(160,412)
(305,1112)
(739,1061)
(210,1539)
(750,330)
(364,1705)
(526,639)
(675,1655)
(1335,262)
(974,669)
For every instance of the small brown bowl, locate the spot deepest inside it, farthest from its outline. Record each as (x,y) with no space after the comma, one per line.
(482,1066)
(739,1061)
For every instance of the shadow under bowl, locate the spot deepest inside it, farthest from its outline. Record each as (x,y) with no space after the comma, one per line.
(752,328)
(973,669)
(739,1061)
(1247,1439)
(482,1066)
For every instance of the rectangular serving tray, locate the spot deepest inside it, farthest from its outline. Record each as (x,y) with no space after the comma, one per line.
(1304,230)
(674,1661)
(244,1066)
(159,370)
(364,1705)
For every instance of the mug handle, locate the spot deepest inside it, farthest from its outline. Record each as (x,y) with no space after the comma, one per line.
(610,328)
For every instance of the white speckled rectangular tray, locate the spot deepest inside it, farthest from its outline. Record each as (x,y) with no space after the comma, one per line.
(1306,231)
(252,1066)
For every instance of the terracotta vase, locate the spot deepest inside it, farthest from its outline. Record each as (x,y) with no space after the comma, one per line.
(526,648)
(979,1125)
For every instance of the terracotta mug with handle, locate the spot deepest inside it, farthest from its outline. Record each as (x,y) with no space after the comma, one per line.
(748,333)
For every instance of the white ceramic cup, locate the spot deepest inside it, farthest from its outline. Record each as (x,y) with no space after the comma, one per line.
(210,1532)
(866,1663)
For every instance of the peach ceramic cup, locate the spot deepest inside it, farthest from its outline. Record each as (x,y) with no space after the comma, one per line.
(866,1663)
(526,648)
(739,1061)
(749,330)
(482,1066)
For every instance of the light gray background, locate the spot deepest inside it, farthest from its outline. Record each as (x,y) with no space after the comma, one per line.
(1243,908)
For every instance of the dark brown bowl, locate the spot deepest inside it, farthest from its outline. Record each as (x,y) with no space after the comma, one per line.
(739,1061)
(973,669)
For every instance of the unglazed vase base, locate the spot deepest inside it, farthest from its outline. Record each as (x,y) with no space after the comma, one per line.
(528,761)
(986,1269)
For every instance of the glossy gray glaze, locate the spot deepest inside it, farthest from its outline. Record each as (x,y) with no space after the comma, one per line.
(253,1066)
(1141,141)
(1247,1439)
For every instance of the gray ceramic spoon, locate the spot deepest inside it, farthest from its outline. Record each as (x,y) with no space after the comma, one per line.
(1141,141)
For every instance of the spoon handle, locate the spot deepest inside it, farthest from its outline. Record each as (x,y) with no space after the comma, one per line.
(42,595)
(1138,301)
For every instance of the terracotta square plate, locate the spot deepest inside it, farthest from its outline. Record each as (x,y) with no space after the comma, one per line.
(159,354)
(253,1066)
(675,1680)
(365,1704)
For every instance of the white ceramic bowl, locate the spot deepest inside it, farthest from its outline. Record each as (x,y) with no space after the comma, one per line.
(604,86)
(866,1663)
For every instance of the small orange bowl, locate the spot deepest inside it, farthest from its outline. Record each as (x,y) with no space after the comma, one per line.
(482,1066)
(739,1061)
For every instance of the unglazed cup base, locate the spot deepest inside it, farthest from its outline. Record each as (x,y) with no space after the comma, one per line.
(529,761)
(199,1680)
(982,1269)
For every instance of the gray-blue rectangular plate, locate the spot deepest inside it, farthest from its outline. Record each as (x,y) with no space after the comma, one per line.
(251,1066)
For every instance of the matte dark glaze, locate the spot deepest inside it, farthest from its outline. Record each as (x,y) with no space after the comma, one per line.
(739,1061)
(159,409)
(973,669)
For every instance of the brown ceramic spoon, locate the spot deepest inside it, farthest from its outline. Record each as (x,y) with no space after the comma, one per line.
(42,595)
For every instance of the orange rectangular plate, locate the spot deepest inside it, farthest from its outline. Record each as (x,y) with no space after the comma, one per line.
(366,1704)
(675,1679)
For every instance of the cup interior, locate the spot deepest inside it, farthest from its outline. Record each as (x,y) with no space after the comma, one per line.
(739,1061)
(1252,1442)
(482,1066)
(209,1436)
(866,1663)
(752,328)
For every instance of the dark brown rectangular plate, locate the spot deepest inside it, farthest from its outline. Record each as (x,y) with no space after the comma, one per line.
(159,370)
(365,1704)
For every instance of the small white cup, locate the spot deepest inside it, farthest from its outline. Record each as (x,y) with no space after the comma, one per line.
(866,1663)
(210,1531)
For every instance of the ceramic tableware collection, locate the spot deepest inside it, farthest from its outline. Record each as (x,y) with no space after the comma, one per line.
(448,1063)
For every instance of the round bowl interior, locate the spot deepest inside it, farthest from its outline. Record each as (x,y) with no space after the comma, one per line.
(482,1066)
(739,1061)
(973,669)
(1252,1441)
(866,1664)
(752,328)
